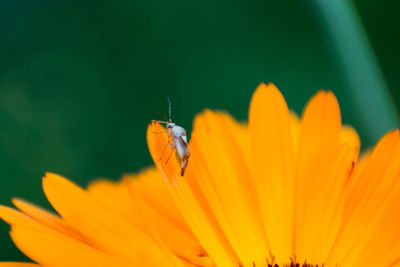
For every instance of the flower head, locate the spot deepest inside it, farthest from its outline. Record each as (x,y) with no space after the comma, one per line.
(278,191)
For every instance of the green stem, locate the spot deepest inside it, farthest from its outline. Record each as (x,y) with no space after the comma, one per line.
(371,95)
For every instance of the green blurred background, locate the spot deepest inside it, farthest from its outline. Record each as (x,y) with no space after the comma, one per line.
(80,80)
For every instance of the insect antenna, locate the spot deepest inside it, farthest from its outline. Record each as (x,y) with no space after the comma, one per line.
(163,115)
(169,109)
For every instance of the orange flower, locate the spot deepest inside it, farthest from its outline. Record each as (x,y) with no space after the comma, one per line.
(278,191)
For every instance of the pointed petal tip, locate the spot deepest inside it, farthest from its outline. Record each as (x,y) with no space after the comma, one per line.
(388,140)
(10,215)
(46,174)
(151,138)
(323,93)
(16,201)
(392,133)
(268,84)
(2,210)
(323,100)
(265,96)
(266,87)
(265,91)
(391,136)
(52,175)
(261,85)
(396,131)
(160,150)
(49,176)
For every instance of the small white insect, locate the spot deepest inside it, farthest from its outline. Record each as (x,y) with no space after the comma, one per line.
(177,140)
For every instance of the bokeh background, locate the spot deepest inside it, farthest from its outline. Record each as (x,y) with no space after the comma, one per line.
(80,80)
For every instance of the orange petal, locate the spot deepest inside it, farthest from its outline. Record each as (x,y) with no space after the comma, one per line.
(371,189)
(320,125)
(14,217)
(273,158)
(18,264)
(324,214)
(139,200)
(222,176)
(161,151)
(349,135)
(383,246)
(295,128)
(152,189)
(51,248)
(319,134)
(179,241)
(59,244)
(144,201)
(114,196)
(190,200)
(47,218)
(102,226)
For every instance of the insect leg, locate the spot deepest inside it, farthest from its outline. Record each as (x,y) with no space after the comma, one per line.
(159,132)
(163,122)
(169,156)
(162,153)
(172,149)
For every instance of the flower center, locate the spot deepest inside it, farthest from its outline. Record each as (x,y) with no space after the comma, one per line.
(289,265)
(295,265)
